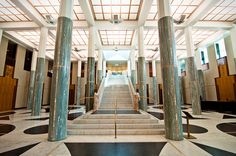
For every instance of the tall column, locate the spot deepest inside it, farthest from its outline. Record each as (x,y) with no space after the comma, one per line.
(133,70)
(155,90)
(233,41)
(128,68)
(100,57)
(39,75)
(104,68)
(172,111)
(192,72)
(142,71)
(61,73)
(78,82)
(1,35)
(90,71)
(32,80)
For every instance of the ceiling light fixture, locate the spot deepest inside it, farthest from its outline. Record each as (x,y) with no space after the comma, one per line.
(50,19)
(115,19)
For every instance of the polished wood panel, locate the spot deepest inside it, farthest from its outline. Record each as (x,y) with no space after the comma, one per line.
(8,88)
(225,84)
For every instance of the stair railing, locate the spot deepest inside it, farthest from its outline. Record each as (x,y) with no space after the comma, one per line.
(135,96)
(98,95)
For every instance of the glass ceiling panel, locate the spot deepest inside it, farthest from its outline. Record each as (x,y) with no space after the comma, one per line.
(51,7)
(116,37)
(224,11)
(79,37)
(178,8)
(10,13)
(125,9)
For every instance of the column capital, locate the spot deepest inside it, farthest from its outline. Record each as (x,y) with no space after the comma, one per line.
(189,41)
(66,9)
(43,42)
(91,45)
(140,42)
(163,8)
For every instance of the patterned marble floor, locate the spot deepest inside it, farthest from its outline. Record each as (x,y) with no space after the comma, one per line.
(215,135)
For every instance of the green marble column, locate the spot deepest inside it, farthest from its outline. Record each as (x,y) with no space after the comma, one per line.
(38,87)
(181,90)
(31,90)
(172,100)
(60,81)
(90,84)
(99,80)
(142,83)
(133,78)
(201,85)
(78,90)
(194,86)
(155,95)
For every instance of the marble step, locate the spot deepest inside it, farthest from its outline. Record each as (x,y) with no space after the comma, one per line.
(118,121)
(119,132)
(118,126)
(112,102)
(118,116)
(119,106)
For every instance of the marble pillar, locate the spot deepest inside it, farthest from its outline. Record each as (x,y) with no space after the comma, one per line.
(201,85)
(90,84)
(142,83)
(32,80)
(192,72)
(78,83)
(99,72)
(142,71)
(61,74)
(181,90)
(154,86)
(133,70)
(172,110)
(39,75)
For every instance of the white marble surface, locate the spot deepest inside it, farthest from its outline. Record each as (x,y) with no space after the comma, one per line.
(214,137)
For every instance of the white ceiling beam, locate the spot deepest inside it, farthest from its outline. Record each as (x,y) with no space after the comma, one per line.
(30,11)
(19,39)
(8,26)
(200,12)
(145,8)
(85,6)
(120,47)
(213,25)
(125,25)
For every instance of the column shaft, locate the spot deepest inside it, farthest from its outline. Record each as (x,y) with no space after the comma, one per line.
(201,85)
(32,80)
(133,70)
(172,111)
(192,73)
(78,83)
(90,71)
(104,68)
(99,72)
(154,87)
(39,75)
(61,74)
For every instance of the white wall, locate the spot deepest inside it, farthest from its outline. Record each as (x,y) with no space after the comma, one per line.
(22,76)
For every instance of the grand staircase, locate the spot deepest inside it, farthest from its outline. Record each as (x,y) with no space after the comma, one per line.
(116,114)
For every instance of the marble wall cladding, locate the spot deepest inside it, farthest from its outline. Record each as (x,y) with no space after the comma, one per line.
(78,90)
(201,85)
(181,90)
(172,111)
(99,77)
(38,87)
(193,85)
(23,78)
(46,86)
(211,74)
(155,91)
(90,83)
(3,54)
(142,83)
(230,55)
(31,90)
(133,78)
(60,81)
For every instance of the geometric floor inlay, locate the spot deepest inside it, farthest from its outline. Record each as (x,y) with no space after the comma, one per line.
(115,149)
(6,128)
(229,128)
(43,129)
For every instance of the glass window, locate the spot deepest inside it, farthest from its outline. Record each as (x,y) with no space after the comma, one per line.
(220,49)
(203,55)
